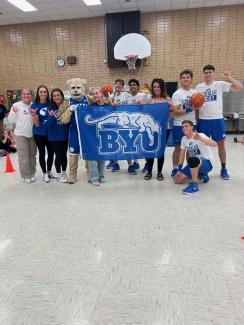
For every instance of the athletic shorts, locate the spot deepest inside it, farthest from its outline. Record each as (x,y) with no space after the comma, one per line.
(178,133)
(205,168)
(213,128)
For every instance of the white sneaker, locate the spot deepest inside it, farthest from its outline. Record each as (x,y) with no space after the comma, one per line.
(50,175)
(58,177)
(27,180)
(46,178)
(33,178)
(95,183)
(63,178)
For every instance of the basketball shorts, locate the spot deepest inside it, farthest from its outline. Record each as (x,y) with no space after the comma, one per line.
(213,128)
(205,168)
(178,134)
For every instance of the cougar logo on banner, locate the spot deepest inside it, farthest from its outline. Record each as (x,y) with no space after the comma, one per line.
(127,132)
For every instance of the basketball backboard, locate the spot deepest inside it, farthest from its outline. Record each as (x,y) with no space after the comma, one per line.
(132,44)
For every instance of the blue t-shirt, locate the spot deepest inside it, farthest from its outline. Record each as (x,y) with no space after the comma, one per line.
(57,131)
(42,113)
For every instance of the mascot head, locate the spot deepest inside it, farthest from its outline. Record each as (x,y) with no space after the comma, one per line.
(77,87)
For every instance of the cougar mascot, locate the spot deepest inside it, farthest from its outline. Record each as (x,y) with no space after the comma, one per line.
(77,100)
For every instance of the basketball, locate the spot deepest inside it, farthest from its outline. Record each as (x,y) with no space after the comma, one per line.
(197,100)
(107,89)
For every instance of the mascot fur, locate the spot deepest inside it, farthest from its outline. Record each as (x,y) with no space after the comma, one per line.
(78,99)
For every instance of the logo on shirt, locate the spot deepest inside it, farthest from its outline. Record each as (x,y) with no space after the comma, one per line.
(43,111)
(193,149)
(186,104)
(210,95)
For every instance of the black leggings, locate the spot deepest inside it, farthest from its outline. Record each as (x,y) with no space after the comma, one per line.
(42,143)
(150,161)
(60,149)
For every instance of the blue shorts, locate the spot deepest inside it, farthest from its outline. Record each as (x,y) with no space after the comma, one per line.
(205,168)
(213,128)
(178,133)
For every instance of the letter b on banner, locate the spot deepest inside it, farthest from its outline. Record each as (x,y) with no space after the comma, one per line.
(108,142)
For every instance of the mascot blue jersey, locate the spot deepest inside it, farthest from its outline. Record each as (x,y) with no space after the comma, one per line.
(74,147)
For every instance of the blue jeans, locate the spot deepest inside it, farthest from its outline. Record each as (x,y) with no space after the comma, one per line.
(96,170)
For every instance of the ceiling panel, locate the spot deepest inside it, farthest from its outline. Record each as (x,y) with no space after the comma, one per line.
(69,9)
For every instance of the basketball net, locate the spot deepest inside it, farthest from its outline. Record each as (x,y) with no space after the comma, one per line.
(131,61)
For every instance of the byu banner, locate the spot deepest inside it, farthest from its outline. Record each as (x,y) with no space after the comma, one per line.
(122,132)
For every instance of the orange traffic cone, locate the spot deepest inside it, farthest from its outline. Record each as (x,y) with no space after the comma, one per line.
(9,166)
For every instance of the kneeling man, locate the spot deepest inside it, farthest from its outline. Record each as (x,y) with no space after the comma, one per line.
(199,162)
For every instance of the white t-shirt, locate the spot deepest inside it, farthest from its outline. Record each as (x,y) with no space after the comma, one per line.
(121,99)
(197,148)
(139,96)
(22,119)
(182,97)
(213,106)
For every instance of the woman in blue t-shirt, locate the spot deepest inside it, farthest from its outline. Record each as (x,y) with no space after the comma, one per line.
(58,133)
(39,110)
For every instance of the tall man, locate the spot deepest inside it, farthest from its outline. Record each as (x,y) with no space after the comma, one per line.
(211,121)
(182,111)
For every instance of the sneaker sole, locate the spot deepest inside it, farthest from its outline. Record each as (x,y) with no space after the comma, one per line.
(186,193)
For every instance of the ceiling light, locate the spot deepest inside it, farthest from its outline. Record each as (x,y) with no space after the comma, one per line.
(92,2)
(23,5)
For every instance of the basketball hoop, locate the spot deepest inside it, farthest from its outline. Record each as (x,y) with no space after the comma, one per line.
(131,61)
(128,45)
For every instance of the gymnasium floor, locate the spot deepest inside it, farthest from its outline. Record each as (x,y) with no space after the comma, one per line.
(129,252)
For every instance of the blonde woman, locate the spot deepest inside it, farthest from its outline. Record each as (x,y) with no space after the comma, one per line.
(25,143)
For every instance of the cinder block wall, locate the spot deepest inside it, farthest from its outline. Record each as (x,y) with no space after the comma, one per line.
(179,39)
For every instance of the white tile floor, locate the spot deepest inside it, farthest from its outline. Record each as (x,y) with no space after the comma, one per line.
(129,252)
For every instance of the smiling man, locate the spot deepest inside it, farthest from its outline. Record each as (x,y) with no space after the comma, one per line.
(200,160)
(182,111)
(211,121)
